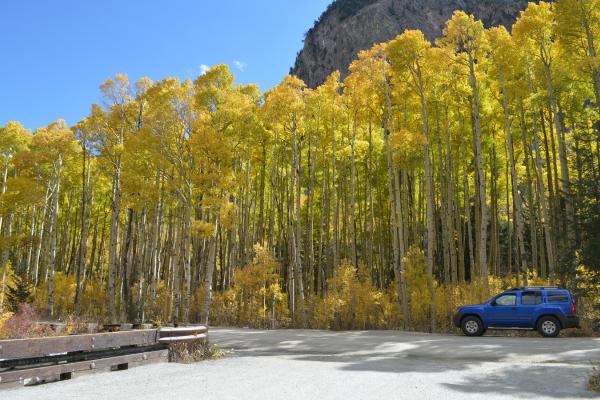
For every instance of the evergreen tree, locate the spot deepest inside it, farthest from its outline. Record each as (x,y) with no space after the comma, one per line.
(18,293)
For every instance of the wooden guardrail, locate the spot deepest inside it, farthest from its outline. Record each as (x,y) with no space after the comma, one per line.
(40,360)
(39,347)
(182,334)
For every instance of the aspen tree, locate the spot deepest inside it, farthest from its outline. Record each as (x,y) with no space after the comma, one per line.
(466,36)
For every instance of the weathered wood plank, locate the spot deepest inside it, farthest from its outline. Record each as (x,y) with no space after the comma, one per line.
(39,347)
(53,372)
(177,339)
(182,331)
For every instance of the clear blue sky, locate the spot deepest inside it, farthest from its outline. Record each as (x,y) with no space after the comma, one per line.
(55,53)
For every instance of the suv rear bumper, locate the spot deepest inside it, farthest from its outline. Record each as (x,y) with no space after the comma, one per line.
(571,321)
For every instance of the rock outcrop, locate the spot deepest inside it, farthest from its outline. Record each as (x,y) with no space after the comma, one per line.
(348,26)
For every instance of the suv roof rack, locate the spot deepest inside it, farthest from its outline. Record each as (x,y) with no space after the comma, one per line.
(535,287)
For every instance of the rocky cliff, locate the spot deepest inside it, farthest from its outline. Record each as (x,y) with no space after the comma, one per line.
(348,26)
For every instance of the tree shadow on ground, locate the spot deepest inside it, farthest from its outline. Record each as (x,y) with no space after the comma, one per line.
(567,381)
(523,380)
(394,343)
(524,367)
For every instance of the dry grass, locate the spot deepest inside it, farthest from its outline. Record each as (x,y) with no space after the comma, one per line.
(191,352)
(594,383)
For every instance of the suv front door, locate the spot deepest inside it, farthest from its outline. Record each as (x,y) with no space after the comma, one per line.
(501,311)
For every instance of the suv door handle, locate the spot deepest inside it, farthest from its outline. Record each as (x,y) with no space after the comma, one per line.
(514,308)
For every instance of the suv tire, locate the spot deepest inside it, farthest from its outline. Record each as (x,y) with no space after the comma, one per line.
(472,326)
(548,326)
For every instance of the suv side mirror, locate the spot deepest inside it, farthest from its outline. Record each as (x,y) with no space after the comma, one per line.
(493,303)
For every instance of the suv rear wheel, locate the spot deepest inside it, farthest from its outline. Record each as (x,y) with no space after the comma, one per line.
(472,326)
(548,327)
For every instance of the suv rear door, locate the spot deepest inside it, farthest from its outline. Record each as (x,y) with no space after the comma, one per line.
(527,310)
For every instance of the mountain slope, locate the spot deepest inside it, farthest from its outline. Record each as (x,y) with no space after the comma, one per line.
(348,26)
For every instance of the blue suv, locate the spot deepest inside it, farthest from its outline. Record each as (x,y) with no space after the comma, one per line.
(547,309)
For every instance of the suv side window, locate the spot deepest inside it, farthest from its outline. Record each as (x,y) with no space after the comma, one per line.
(558,297)
(531,298)
(507,300)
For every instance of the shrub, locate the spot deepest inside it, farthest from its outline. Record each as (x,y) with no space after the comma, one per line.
(157,306)
(94,300)
(594,382)
(352,302)
(64,293)
(189,352)
(22,324)
(255,299)
(4,330)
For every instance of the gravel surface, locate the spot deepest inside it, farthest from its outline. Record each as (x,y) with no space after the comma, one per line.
(307,365)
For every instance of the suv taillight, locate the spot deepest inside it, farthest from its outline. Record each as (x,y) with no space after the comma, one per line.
(573,308)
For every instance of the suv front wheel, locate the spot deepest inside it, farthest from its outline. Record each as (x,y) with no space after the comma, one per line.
(548,327)
(472,326)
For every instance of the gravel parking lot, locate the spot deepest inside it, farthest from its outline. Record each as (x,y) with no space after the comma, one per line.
(302,364)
